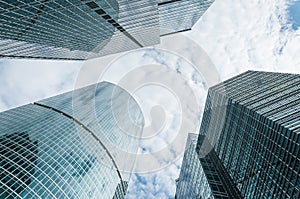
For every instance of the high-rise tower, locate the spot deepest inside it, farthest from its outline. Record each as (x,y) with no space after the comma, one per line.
(249,139)
(192,182)
(82,29)
(80,144)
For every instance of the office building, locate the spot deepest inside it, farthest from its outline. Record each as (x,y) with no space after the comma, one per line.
(249,140)
(79,144)
(248,146)
(192,182)
(180,15)
(83,29)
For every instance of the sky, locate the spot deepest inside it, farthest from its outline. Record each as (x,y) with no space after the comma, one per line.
(294,14)
(236,35)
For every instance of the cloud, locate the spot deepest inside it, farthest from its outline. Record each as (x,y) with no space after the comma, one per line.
(154,185)
(24,81)
(242,35)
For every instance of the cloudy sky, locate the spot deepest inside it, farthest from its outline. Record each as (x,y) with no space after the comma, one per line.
(237,35)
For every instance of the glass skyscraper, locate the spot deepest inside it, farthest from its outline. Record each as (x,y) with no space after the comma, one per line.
(192,182)
(80,144)
(180,15)
(249,139)
(82,29)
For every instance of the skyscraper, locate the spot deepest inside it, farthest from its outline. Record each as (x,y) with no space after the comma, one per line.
(180,15)
(82,29)
(80,144)
(192,182)
(249,137)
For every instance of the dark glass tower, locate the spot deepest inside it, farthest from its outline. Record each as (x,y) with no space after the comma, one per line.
(82,29)
(17,148)
(249,137)
(80,144)
(180,15)
(192,182)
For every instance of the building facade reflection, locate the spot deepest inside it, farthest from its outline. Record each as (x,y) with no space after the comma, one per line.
(59,154)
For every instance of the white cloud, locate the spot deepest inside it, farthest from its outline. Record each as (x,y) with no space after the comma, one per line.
(25,81)
(154,185)
(241,35)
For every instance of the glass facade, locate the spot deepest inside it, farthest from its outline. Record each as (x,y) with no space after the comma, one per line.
(180,15)
(119,190)
(51,150)
(253,121)
(82,29)
(191,182)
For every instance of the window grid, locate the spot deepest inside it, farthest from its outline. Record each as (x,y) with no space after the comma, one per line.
(258,144)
